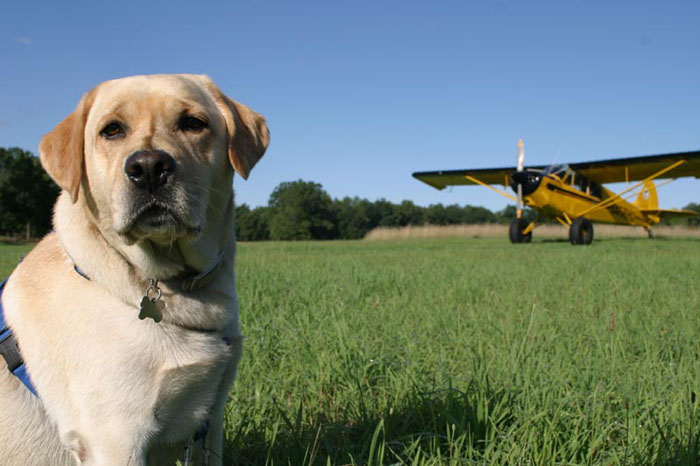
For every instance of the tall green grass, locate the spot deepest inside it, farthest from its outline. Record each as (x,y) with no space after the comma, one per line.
(466,351)
(10,255)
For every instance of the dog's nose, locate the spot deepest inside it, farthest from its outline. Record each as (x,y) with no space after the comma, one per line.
(149,169)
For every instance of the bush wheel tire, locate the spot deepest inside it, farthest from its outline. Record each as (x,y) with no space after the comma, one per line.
(516,231)
(581,231)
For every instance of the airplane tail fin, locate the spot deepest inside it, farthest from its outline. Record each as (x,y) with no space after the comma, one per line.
(647,198)
(648,203)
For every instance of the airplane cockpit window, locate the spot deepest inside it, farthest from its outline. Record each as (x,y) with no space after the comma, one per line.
(587,186)
(568,176)
(559,170)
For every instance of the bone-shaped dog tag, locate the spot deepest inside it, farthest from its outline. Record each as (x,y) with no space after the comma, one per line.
(151,309)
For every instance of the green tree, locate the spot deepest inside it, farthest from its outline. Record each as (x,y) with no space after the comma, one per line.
(407,213)
(693,221)
(252,224)
(455,215)
(509,213)
(473,214)
(27,194)
(354,217)
(693,206)
(301,210)
(382,213)
(436,214)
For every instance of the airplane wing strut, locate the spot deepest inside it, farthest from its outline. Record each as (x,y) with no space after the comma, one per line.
(617,197)
(499,191)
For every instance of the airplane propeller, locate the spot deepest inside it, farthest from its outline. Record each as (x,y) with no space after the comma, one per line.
(521,167)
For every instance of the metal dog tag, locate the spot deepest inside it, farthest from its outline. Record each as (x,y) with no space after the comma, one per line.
(151,309)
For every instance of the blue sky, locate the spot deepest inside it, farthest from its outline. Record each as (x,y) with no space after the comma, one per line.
(358,95)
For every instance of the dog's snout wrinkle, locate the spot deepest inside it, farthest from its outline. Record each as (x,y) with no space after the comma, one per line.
(149,170)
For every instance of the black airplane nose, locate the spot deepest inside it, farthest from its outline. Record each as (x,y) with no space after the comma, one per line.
(529,180)
(149,169)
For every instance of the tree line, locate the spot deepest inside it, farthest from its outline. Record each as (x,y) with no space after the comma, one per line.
(27,194)
(296,210)
(303,210)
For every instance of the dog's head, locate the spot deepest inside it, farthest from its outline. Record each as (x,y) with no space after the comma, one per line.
(154,155)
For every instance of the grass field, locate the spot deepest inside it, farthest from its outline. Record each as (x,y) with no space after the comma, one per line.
(466,351)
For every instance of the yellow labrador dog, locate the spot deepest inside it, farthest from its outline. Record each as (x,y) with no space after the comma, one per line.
(126,316)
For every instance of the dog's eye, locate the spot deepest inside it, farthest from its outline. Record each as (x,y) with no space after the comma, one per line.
(190,123)
(112,131)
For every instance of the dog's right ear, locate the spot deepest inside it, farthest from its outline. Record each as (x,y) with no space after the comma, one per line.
(62,150)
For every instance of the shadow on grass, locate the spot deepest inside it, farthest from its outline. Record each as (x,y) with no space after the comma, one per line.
(620,239)
(682,449)
(553,240)
(680,455)
(423,423)
(444,426)
(609,239)
(658,238)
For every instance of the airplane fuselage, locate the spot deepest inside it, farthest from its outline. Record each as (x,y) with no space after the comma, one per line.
(553,197)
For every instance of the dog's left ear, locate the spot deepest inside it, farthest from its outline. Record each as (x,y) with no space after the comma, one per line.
(247,132)
(61,150)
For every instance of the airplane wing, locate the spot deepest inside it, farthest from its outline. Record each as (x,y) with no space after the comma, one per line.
(441,179)
(639,168)
(600,171)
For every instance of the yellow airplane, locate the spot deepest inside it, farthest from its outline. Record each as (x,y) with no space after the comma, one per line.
(573,194)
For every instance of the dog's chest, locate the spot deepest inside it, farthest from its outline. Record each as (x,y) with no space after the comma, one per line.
(189,380)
